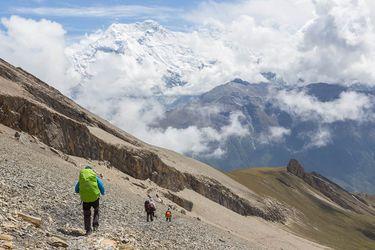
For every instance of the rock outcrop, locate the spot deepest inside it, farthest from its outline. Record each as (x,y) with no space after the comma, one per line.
(295,168)
(188,205)
(330,189)
(27,104)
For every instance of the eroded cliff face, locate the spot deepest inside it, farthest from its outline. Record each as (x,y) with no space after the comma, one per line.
(43,112)
(330,189)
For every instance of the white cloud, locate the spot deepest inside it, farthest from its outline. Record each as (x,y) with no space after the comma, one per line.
(246,49)
(275,134)
(338,44)
(349,106)
(193,140)
(285,14)
(235,128)
(319,138)
(135,115)
(278,133)
(36,46)
(314,40)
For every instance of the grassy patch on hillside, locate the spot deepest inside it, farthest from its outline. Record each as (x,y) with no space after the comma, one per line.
(320,221)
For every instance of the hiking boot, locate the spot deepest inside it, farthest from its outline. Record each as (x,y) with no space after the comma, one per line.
(95,228)
(89,232)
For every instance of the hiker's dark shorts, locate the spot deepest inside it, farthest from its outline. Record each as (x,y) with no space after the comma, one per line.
(88,205)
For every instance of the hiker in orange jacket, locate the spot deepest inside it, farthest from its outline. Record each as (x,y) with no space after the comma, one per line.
(168,215)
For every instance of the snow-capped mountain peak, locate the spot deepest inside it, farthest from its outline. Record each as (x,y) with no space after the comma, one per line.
(145,44)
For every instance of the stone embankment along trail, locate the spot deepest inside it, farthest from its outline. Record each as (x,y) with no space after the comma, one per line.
(43,112)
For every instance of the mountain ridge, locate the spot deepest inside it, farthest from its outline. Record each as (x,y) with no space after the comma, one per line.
(58,137)
(325,212)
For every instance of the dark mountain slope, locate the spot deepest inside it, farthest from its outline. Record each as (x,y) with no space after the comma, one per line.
(343,150)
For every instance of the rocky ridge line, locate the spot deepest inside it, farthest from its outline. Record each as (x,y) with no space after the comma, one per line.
(330,189)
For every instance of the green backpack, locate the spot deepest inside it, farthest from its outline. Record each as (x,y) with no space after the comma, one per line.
(88,186)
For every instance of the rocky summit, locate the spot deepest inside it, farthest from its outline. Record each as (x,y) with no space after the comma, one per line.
(46,139)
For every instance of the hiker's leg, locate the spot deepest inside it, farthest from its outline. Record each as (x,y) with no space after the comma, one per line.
(152,216)
(87,216)
(148,215)
(95,222)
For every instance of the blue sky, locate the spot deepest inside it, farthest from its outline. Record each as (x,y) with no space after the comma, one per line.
(80,17)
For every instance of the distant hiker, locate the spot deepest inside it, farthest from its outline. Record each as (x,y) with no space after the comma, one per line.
(89,187)
(150,208)
(168,215)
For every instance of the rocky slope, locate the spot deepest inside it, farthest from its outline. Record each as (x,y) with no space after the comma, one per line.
(49,121)
(39,210)
(38,181)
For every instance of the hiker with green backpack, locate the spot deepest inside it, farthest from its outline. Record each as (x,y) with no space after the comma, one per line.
(89,187)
